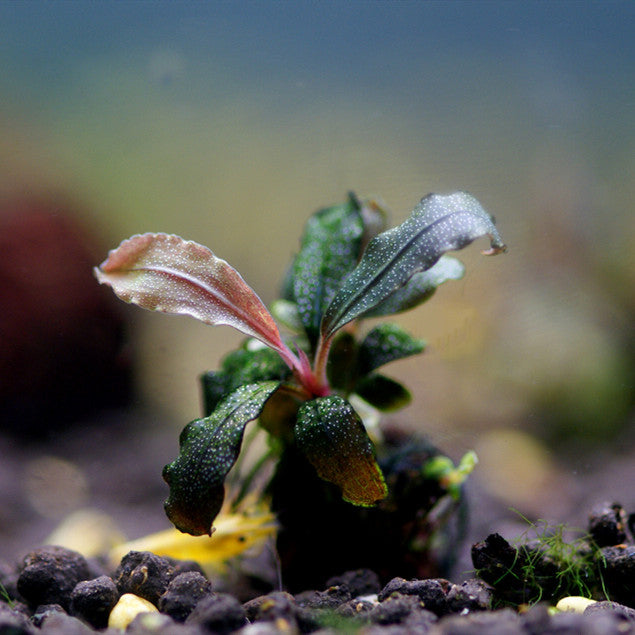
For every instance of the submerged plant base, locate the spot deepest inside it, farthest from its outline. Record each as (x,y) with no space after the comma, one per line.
(414,532)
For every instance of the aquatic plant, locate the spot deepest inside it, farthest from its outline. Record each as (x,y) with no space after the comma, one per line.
(547,562)
(305,391)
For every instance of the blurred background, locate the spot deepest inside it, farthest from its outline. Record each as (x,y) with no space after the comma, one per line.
(229,123)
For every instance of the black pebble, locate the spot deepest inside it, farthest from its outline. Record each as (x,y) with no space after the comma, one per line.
(219,613)
(44,611)
(183,593)
(267,608)
(432,593)
(92,600)
(503,622)
(618,573)
(331,598)
(471,595)
(607,525)
(58,623)
(277,608)
(144,574)
(356,609)
(13,619)
(358,582)
(48,575)
(398,609)
(493,557)
(623,613)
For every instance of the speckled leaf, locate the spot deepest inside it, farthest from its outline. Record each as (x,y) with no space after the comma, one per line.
(333,438)
(419,288)
(163,272)
(386,343)
(329,251)
(209,448)
(246,365)
(384,393)
(439,223)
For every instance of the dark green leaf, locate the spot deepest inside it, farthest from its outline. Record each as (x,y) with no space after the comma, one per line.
(439,223)
(419,288)
(333,438)
(386,343)
(215,385)
(383,393)
(280,413)
(209,448)
(342,365)
(329,252)
(243,366)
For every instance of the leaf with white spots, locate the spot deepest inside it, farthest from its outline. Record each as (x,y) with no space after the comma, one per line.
(439,223)
(242,366)
(163,272)
(329,251)
(333,438)
(209,448)
(419,289)
(384,344)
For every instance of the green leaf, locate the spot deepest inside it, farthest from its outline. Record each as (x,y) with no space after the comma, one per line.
(280,414)
(247,365)
(209,448)
(441,469)
(215,385)
(334,440)
(163,272)
(342,365)
(386,343)
(439,223)
(285,312)
(384,393)
(419,289)
(329,252)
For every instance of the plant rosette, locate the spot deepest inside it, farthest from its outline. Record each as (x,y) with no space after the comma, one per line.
(317,391)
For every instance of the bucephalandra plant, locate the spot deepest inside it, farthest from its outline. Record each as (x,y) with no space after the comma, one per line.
(300,389)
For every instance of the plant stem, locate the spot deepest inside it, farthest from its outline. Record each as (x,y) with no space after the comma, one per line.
(321,359)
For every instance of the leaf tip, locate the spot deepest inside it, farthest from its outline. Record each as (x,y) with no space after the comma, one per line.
(497,247)
(98,273)
(190,514)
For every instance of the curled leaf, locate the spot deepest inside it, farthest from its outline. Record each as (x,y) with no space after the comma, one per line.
(209,448)
(163,272)
(419,288)
(439,223)
(333,438)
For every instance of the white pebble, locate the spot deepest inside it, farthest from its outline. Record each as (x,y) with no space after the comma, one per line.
(574,604)
(128,607)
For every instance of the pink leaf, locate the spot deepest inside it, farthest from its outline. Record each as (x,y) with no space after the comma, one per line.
(163,272)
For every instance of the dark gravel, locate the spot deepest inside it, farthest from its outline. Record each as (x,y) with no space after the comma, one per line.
(50,597)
